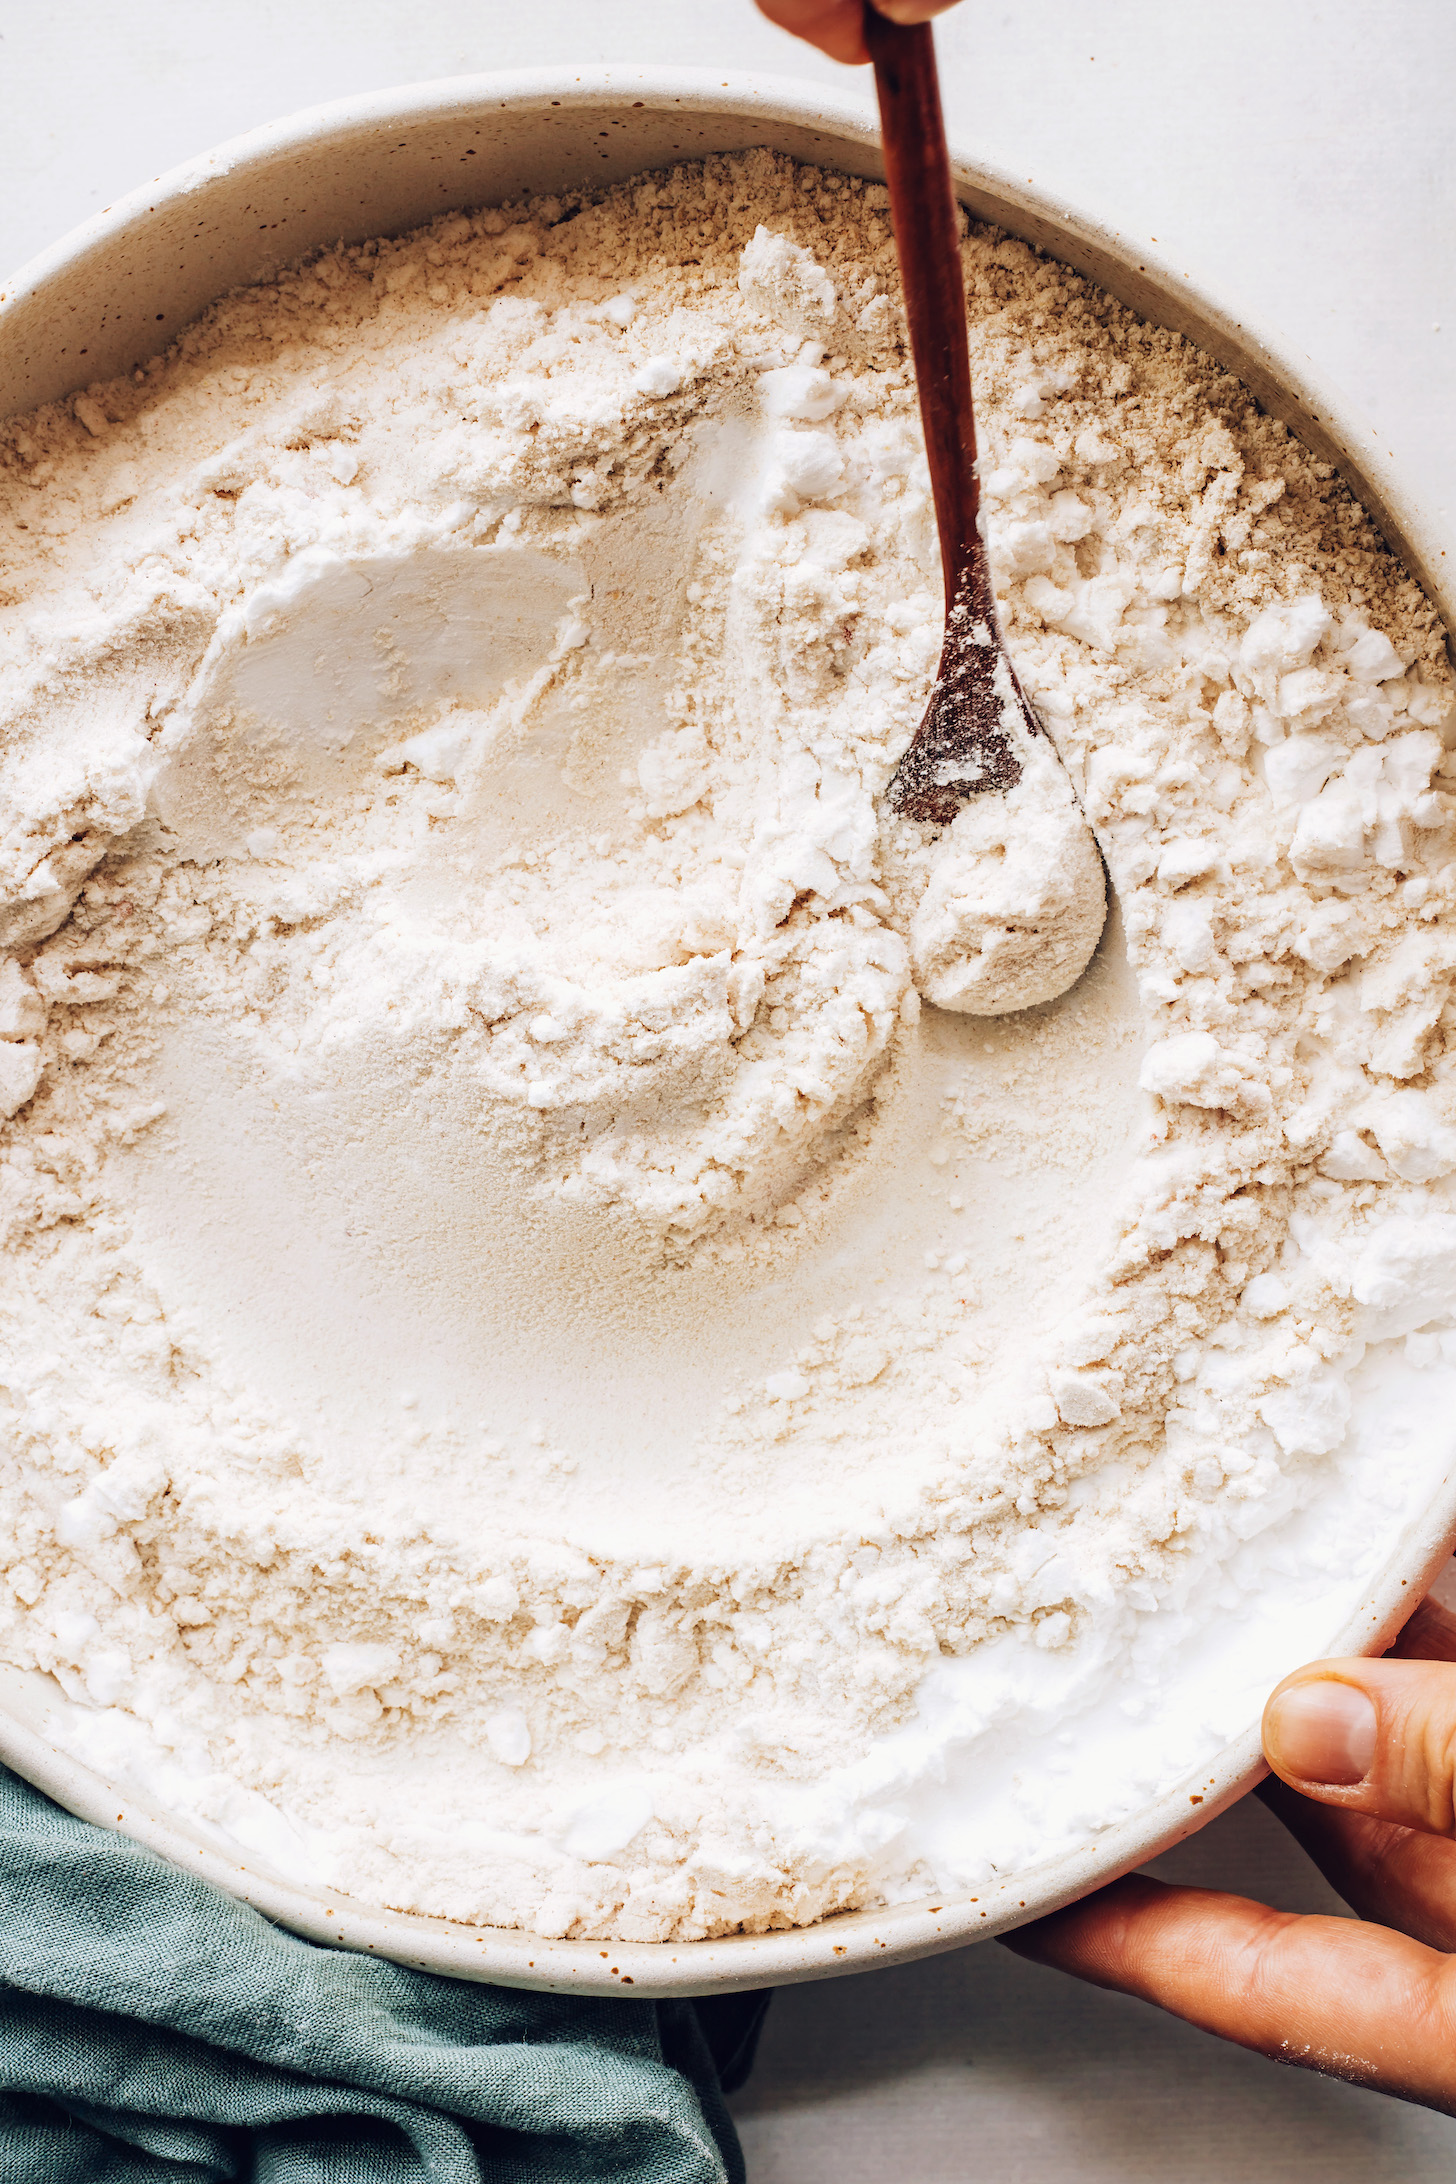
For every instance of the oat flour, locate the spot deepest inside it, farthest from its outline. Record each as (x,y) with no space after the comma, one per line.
(543,1385)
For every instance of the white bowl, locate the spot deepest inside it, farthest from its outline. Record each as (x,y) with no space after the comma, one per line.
(114,291)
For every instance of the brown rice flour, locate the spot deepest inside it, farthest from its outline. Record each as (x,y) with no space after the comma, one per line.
(541,1384)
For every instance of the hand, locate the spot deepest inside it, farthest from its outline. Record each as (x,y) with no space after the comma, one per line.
(837,26)
(1365,1752)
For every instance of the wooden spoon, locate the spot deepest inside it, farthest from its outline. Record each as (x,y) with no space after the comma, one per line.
(966,746)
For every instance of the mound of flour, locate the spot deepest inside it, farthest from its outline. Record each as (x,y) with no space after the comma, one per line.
(542,1383)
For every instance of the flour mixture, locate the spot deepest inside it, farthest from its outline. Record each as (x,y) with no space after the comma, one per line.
(544,1380)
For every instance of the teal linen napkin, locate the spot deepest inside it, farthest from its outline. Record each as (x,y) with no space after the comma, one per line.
(152,2031)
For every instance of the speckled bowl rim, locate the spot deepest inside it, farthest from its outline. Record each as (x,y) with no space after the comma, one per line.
(114,290)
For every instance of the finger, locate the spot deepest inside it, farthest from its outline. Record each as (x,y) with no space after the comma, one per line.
(1377,1737)
(1327,1994)
(1400,1876)
(1395,1876)
(836,27)
(912,11)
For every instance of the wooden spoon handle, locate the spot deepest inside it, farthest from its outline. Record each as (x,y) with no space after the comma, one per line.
(927,240)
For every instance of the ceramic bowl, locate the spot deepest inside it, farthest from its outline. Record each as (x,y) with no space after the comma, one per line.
(115,291)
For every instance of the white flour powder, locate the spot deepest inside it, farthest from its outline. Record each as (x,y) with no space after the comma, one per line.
(541,1384)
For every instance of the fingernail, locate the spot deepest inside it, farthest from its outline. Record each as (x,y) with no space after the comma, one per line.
(1322,1732)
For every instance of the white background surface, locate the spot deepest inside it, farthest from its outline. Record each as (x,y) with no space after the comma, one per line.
(1300,157)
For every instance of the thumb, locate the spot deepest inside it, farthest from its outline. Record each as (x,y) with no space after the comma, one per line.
(1377,1737)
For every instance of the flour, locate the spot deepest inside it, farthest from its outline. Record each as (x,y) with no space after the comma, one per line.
(544,1385)
(1006,909)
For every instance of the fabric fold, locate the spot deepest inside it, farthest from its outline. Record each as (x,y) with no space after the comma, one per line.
(152,2028)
